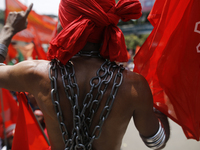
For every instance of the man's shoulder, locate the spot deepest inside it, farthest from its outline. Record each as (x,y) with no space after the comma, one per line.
(136,84)
(39,71)
(32,63)
(32,68)
(134,78)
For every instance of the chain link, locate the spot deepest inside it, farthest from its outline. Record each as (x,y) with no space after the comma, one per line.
(80,137)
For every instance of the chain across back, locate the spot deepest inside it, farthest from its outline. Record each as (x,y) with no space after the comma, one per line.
(80,137)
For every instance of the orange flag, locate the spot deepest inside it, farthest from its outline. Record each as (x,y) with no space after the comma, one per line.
(170,61)
(10,109)
(44,25)
(28,134)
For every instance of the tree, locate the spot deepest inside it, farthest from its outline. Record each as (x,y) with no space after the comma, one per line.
(132,40)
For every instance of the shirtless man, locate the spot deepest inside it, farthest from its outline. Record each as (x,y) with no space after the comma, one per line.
(133,96)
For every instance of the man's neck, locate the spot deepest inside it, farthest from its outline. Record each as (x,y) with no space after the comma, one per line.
(91,47)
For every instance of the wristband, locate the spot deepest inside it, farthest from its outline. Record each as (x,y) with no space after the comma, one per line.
(2,64)
(3,50)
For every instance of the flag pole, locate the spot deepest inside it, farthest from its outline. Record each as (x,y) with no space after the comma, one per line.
(40,127)
(3,117)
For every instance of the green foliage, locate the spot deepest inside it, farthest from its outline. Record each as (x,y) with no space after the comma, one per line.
(133,22)
(133,40)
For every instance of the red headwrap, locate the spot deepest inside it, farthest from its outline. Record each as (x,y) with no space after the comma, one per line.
(93,21)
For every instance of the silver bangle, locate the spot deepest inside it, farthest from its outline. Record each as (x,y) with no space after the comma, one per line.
(156,141)
(2,64)
(3,50)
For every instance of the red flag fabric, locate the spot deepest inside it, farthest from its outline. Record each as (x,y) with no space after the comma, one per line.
(93,21)
(156,11)
(39,52)
(43,24)
(10,109)
(12,52)
(170,61)
(28,134)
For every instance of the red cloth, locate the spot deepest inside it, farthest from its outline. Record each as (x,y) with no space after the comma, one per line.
(28,134)
(93,21)
(10,109)
(170,61)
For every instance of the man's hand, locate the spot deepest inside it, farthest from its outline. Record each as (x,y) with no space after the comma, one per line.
(17,21)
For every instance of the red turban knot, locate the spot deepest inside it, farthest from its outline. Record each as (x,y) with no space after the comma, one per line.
(93,21)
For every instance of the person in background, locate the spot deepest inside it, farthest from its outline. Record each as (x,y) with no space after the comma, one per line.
(40,117)
(10,131)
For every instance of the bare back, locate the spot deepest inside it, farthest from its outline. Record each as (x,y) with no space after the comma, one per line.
(128,100)
(122,111)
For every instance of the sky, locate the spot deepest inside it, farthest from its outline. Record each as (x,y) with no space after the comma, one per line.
(39,6)
(51,6)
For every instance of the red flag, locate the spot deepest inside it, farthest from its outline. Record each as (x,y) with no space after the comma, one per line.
(156,11)
(28,134)
(44,25)
(10,109)
(170,61)
(12,52)
(38,49)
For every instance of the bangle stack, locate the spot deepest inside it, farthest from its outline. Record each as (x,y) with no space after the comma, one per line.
(157,141)
(3,50)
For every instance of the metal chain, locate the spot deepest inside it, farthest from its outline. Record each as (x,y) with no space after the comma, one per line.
(53,75)
(89,54)
(80,137)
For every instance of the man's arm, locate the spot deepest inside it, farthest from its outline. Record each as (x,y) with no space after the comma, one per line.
(11,77)
(150,123)
(6,35)
(16,21)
